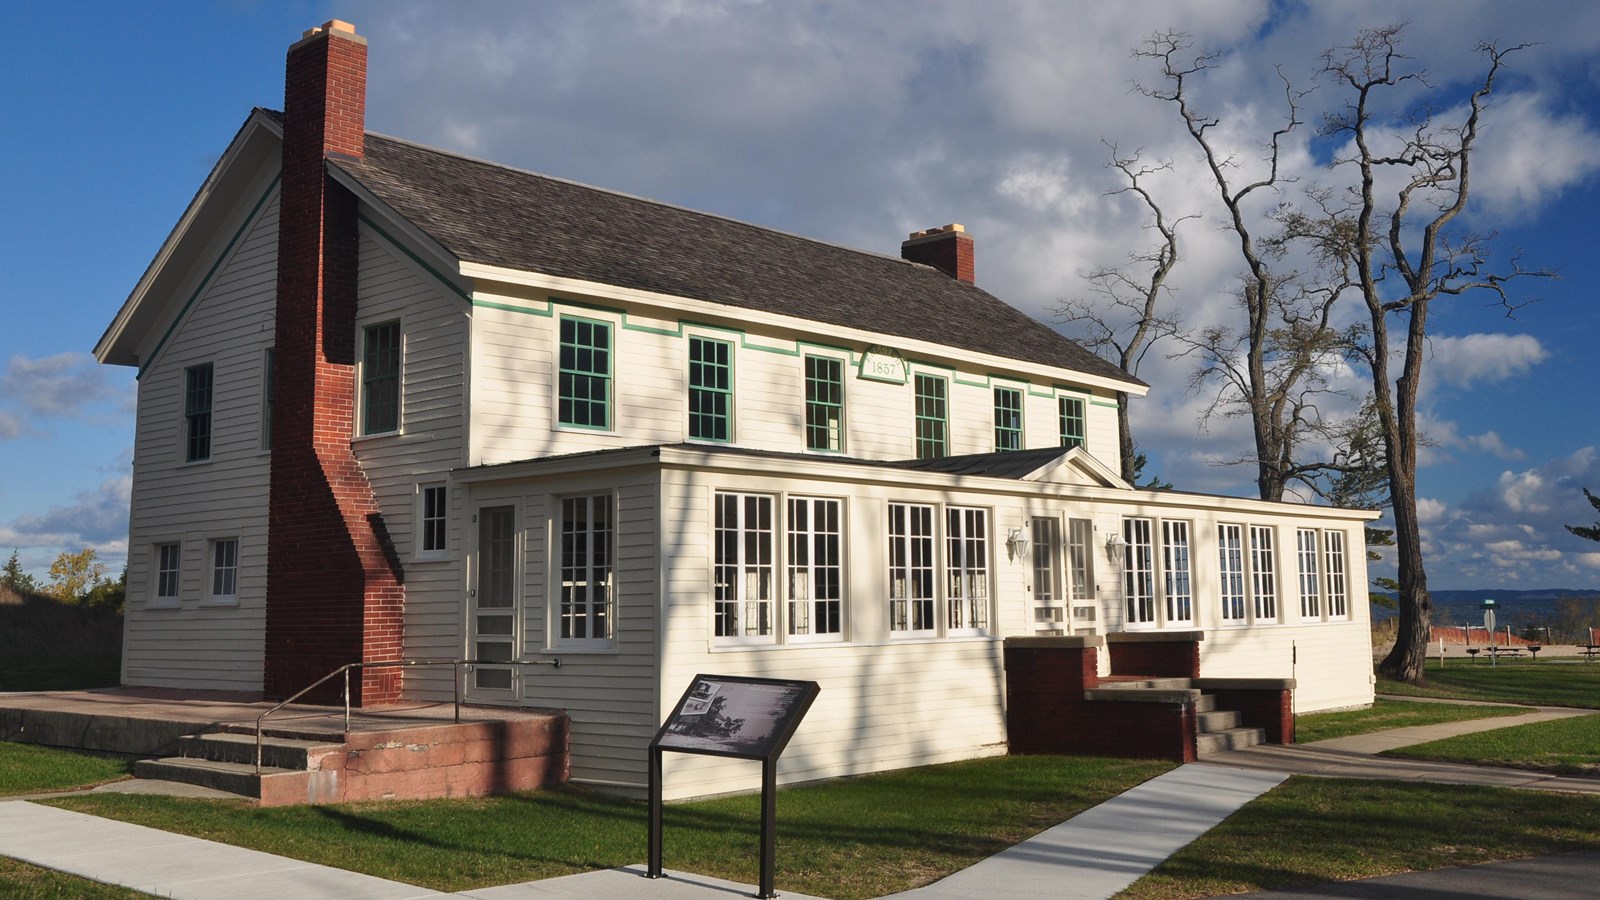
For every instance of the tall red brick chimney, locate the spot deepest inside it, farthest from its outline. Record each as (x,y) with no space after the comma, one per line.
(948,249)
(332,597)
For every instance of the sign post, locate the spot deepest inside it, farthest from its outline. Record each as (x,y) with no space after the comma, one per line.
(1489,606)
(743,718)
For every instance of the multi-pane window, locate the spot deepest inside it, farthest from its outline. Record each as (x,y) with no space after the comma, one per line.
(168,564)
(743,570)
(583,397)
(1306,552)
(1177,585)
(586,553)
(966,568)
(1080,558)
(225,569)
(434,520)
(911,583)
(269,365)
(1074,431)
(932,417)
(1263,574)
(380,379)
(1338,593)
(824,403)
(1139,571)
(1046,573)
(1230,552)
(710,389)
(815,568)
(1007,419)
(197,412)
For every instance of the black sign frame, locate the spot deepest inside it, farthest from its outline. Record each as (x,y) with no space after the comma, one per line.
(699,725)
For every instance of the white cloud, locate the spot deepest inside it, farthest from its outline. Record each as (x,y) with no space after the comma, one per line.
(10,426)
(65,384)
(1469,359)
(1530,154)
(1491,443)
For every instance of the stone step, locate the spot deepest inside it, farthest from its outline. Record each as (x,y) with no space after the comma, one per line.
(1230,739)
(235,778)
(1208,721)
(1206,703)
(289,731)
(277,752)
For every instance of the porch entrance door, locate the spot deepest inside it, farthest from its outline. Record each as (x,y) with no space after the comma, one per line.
(1049,613)
(492,609)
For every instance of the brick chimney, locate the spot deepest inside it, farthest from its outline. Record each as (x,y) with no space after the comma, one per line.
(332,597)
(948,249)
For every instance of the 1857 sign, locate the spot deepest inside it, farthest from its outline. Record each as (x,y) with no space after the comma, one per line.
(883,364)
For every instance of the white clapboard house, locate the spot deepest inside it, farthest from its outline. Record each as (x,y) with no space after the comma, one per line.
(396,402)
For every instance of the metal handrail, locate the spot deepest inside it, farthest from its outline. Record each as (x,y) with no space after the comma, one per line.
(455,665)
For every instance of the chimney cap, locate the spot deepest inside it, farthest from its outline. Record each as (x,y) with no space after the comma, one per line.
(952,228)
(339,26)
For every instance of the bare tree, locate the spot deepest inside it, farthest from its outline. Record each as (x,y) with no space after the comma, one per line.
(1272,369)
(1406,256)
(1126,321)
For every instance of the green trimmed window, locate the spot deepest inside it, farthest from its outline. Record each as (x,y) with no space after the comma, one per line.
(1074,432)
(710,390)
(197,412)
(1007,419)
(824,403)
(380,379)
(584,399)
(933,417)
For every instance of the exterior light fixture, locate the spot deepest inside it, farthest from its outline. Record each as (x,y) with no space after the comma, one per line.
(1016,544)
(1116,548)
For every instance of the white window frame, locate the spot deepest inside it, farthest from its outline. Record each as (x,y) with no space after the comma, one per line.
(1308,553)
(968,567)
(420,550)
(1233,581)
(221,575)
(592,582)
(1177,573)
(159,571)
(905,577)
(1157,573)
(1139,574)
(1262,555)
(740,569)
(1338,574)
(805,567)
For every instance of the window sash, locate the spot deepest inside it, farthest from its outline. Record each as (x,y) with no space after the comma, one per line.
(584,374)
(380,379)
(966,568)
(815,568)
(1230,551)
(197,399)
(743,569)
(1046,561)
(911,573)
(435,519)
(1338,591)
(169,564)
(1074,432)
(587,539)
(1007,419)
(1139,576)
(1310,576)
(1176,580)
(932,417)
(824,403)
(1263,574)
(1080,553)
(225,569)
(710,389)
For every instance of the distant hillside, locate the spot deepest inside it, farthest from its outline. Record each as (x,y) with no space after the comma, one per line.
(1505,596)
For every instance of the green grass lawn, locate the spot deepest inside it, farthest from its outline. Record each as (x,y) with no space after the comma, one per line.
(860,837)
(1384,714)
(59,674)
(1312,830)
(1544,683)
(1564,746)
(20,881)
(31,769)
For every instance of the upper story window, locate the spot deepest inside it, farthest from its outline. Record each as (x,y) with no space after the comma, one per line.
(1073,427)
(168,569)
(433,521)
(824,403)
(380,379)
(816,569)
(1007,418)
(197,412)
(586,554)
(584,393)
(710,390)
(744,559)
(932,417)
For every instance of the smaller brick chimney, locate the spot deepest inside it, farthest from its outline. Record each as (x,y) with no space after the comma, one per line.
(948,249)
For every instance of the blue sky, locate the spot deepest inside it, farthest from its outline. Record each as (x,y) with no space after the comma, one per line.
(853,123)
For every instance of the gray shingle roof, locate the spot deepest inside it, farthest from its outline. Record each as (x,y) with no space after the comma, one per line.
(495,215)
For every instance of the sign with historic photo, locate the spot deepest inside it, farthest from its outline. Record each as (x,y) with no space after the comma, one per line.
(725,715)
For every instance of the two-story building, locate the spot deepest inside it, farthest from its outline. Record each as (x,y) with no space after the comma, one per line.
(395,402)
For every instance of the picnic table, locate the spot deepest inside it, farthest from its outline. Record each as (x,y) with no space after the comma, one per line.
(1590,651)
(1498,652)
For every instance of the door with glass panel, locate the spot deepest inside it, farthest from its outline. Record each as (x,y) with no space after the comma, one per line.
(492,604)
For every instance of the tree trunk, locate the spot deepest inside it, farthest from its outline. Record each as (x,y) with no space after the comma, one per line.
(1125,438)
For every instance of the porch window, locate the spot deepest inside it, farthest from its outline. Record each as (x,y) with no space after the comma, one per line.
(584,390)
(743,571)
(710,390)
(815,568)
(1338,595)
(1073,430)
(932,417)
(586,553)
(1310,578)
(966,569)
(1230,550)
(1139,574)
(380,379)
(197,412)
(225,570)
(1263,574)
(1007,419)
(1176,581)
(168,569)
(824,403)
(911,583)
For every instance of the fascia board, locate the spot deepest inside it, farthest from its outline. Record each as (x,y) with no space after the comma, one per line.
(1078,459)
(703,308)
(112,347)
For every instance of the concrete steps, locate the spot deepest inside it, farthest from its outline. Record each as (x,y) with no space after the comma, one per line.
(1216,730)
(232,777)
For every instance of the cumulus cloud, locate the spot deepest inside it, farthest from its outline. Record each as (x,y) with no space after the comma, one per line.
(1473,358)
(97,517)
(10,426)
(66,385)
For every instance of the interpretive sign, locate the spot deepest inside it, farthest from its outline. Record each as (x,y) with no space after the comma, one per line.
(745,718)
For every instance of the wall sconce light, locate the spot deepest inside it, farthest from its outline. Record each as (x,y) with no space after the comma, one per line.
(1016,544)
(1116,548)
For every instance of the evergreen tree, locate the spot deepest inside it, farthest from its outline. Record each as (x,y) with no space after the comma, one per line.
(1592,532)
(13,577)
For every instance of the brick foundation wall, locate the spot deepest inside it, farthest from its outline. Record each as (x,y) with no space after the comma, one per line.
(1157,658)
(332,596)
(1267,709)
